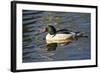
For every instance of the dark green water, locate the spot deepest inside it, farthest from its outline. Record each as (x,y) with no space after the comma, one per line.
(34,41)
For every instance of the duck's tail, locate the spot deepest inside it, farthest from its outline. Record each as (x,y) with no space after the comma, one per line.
(80,34)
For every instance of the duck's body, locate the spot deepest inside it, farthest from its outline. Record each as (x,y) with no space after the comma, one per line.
(59,38)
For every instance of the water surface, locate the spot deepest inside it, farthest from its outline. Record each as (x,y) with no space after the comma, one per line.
(34,41)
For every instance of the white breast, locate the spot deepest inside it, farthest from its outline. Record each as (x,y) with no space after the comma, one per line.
(59,38)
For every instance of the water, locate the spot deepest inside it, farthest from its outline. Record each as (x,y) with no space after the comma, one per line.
(34,44)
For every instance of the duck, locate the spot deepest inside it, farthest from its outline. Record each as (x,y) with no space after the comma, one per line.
(60,36)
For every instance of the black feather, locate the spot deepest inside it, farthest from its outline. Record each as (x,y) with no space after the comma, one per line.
(66,31)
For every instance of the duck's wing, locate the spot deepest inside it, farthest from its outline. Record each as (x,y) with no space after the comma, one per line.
(66,31)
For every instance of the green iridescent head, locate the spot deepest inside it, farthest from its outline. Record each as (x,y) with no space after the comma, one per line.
(51,29)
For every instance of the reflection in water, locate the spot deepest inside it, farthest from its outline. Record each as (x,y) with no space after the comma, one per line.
(51,47)
(35,48)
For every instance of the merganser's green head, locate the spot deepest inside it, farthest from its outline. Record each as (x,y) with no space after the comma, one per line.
(50,29)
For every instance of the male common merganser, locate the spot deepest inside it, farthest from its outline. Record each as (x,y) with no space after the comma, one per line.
(60,36)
